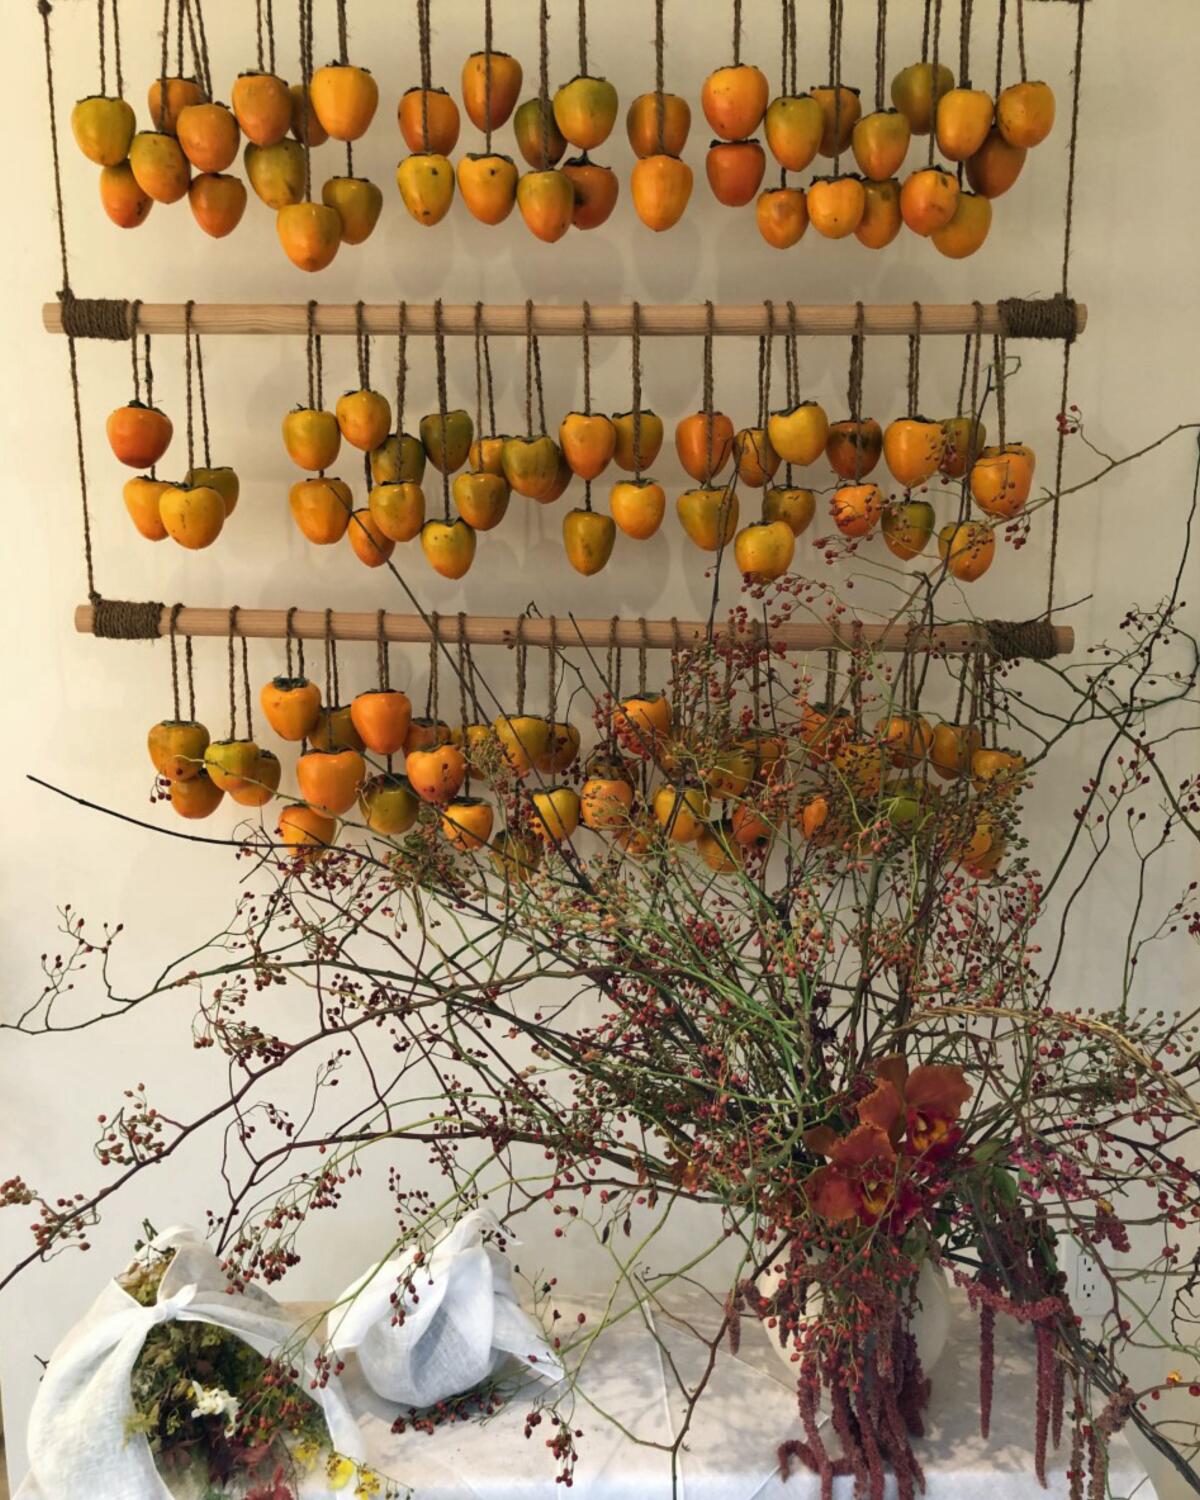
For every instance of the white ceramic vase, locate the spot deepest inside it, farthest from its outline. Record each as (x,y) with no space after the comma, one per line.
(930,1324)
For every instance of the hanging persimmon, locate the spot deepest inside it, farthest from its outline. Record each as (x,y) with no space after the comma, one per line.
(345,99)
(951,750)
(841,109)
(382,717)
(907,739)
(490,79)
(372,546)
(709,516)
(531,464)
(585,111)
(881,221)
(334,730)
(276,172)
(928,198)
(121,198)
(661,187)
(555,814)
(596,191)
(913,93)
(588,442)
(782,216)
(588,540)
(103,129)
(388,804)
(291,706)
(429,120)
(218,202)
(681,812)
(142,496)
(964,118)
(481,498)
(649,438)
(447,439)
(218,477)
(1025,113)
(177,748)
(159,166)
(730,773)
(197,797)
(853,448)
(913,448)
(755,459)
(357,203)
(997,771)
(856,508)
(967,548)
(880,143)
(764,549)
(836,205)
(399,459)
(734,100)
(642,722)
(965,440)
(313,439)
(995,166)
(363,417)
(305,126)
(425,733)
(799,433)
(719,850)
(487,454)
(138,435)
(262,104)
(793,127)
(436,774)
(321,509)
(1002,478)
(192,514)
(606,796)
(704,444)
(790,504)
(980,856)
(641,125)
(180,92)
(515,856)
(449,546)
(398,510)
(209,136)
(562,749)
(748,827)
(907,527)
(735,171)
(467,823)
(638,507)
(310,233)
(258,790)
(967,229)
(524,740)
(547,203)
(305,831)
(231,763)
(329,779)
(488,184)
(539,139)
(426,183)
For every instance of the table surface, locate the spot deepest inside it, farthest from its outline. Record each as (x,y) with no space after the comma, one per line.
(749,1407)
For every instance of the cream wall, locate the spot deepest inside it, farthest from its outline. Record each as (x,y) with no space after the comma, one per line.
(78,708)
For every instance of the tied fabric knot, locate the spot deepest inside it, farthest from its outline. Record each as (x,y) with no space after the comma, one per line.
(169,1308)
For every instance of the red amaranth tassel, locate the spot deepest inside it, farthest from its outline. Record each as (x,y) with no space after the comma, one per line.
(987,1365)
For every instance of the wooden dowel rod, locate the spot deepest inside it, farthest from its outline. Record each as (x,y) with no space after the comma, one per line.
(662,320)
(501,630)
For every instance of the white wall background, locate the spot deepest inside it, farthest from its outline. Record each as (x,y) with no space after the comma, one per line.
(78,708)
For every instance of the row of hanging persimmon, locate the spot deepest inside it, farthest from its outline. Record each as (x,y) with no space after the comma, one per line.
(986,137)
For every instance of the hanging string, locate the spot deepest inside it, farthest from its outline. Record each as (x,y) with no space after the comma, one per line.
(737,33)
(401,367)
(552,673)
(937,38)
(708,391)
(521,650)
(246,687)
(642,643)
(962,379)
(175,608)
(1000,368)
(198,40)
(791,351)
(964,42)
(189,668)
(479,370)
(383,667)
(1000,47)
(343,35)
(288,629)
(544,80)
(613,674)
(362,358)
(258,31)
(332,686)
(116,34)
(964,496)
(439,344)
(855,384)
(487,76)
(537,383)
(463,713)
(835,58)
(491,389)
(529,368)
(233,614)
(587,358)
(103,62)
(164,66)
(310,353)
(135,312)
(306,72)
(1021,36)
(925,32)
(187,368)
(880,52)
(271,40)
(583,50)
(44,11)
(202,394)
(179,39)
(1072,151)
(423,30)
(914,363)
(635,350)
(660,98)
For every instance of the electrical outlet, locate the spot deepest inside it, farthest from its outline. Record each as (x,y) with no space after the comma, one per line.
(1092,1293)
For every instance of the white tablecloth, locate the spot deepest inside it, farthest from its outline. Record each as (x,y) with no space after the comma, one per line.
(748,1409)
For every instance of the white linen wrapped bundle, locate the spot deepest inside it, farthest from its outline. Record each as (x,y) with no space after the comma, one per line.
(461,1320)
(78,1440)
